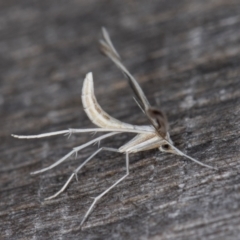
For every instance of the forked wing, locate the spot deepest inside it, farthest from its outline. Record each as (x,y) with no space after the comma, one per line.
(157,117)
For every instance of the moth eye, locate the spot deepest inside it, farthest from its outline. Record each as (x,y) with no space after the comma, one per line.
(165,147)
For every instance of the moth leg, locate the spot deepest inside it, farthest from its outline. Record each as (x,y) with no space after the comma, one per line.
(96,199)
(79,168)
(71,131)
(75,150)
(42,135)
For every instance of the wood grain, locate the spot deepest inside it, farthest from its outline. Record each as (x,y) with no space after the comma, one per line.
(185,55)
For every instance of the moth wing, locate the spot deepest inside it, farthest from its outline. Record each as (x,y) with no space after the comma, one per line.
(108,49)
(157,118)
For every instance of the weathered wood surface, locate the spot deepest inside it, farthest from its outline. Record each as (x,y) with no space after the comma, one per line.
(186,54)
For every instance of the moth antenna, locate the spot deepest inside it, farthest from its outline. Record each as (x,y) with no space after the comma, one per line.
(191,158)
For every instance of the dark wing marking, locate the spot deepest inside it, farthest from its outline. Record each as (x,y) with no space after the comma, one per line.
(157,118)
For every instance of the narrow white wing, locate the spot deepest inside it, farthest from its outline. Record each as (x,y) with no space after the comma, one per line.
(157,117)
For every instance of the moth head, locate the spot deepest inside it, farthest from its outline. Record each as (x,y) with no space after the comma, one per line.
(167,147)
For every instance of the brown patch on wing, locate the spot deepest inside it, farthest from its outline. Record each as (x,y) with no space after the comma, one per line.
(159,120)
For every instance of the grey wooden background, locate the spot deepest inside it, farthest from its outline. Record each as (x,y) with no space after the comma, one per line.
(185,54)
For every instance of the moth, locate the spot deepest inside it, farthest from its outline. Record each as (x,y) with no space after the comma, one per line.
(155,135)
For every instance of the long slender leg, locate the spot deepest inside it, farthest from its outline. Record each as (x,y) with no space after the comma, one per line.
(96,199)
(75,150)
(72,130)
(78,169)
